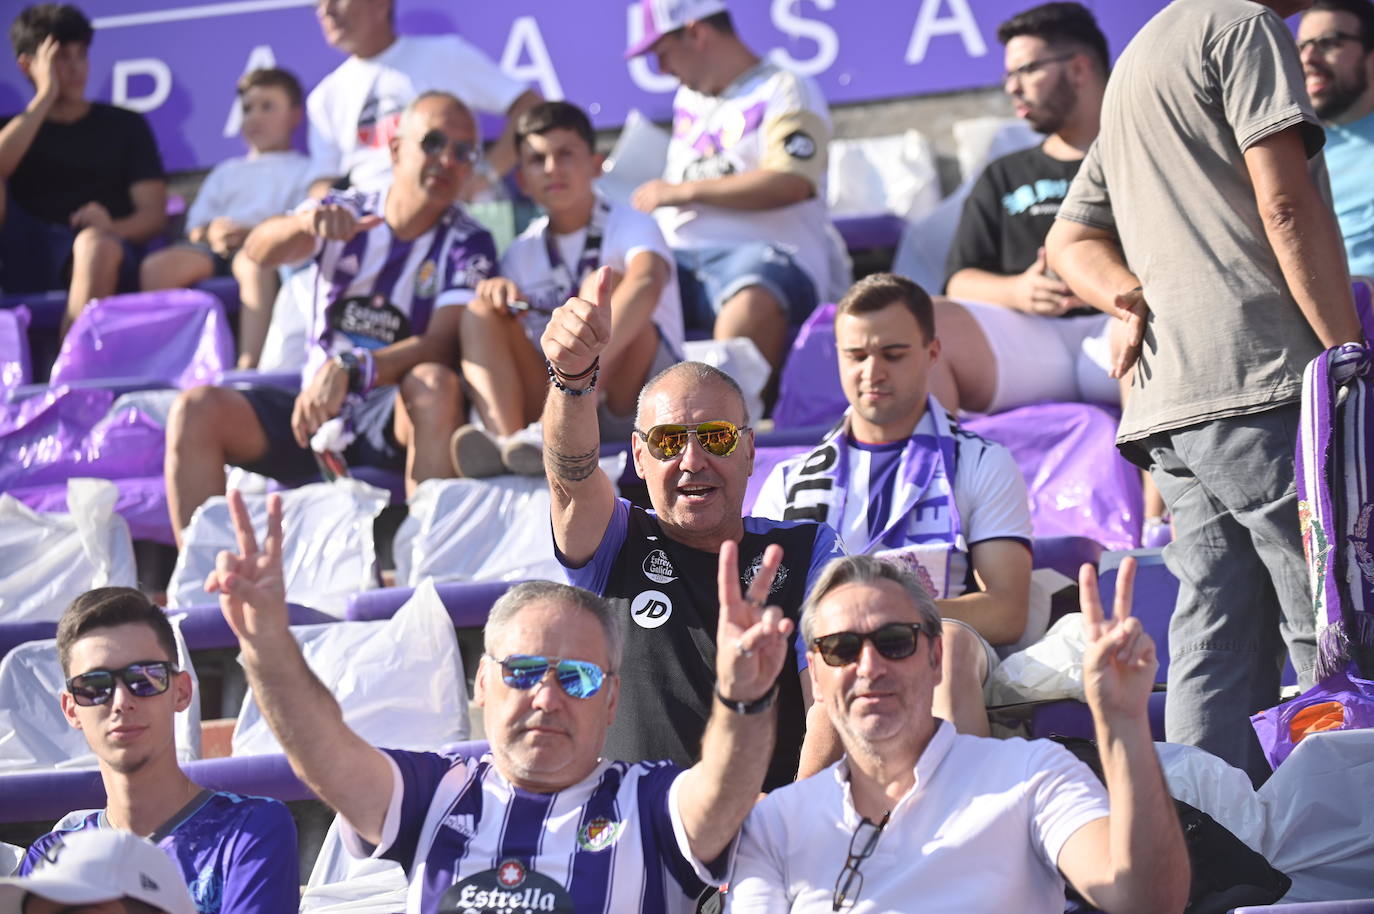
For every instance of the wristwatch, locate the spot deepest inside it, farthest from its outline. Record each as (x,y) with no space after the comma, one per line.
(749,707)
(349,363)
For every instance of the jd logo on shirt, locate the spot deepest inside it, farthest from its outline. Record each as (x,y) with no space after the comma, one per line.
(658,568)
(651,609)
(511,888)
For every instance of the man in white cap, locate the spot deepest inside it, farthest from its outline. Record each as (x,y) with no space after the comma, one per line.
(742,199)
(100,871)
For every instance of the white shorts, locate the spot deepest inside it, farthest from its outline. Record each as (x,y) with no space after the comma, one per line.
(1039,359)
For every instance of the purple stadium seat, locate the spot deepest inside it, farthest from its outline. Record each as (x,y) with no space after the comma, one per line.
(16,369)
(180,336)
(1065,554)
(809,390)
(864,233)
(226,289)
(1353,906)
(46,308)
(1072,718)
(467,602)
(142,502)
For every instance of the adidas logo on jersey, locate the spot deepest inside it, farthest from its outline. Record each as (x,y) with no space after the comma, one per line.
(464,823)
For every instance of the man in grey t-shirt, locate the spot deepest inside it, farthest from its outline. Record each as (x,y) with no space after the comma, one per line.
(1198,220)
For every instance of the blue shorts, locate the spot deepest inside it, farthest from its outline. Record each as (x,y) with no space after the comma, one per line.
(709,277)
(287,461)
(36,256)
(219,265)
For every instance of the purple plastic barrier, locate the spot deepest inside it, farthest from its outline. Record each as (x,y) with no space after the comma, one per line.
(809,392)
(1079,485)
(142,502)
(1344,697)
(65,433)
(1072,718)
(1353,906)
(467,602)
(178,335)
(864,233)
(1065,554)
(15,367)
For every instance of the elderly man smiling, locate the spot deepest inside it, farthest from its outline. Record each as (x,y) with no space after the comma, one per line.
(542,822)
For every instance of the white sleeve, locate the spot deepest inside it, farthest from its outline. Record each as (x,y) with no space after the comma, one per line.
(1064,794)
(207,204)
(630,232)
(991,497)
(476,79)
(758,880)
(359,848)
(684,845)
(326,155)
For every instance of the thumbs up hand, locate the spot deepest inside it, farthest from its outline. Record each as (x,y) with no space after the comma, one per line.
(579,330)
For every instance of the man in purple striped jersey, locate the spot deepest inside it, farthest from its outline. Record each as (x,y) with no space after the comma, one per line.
(541,822)
(395,265)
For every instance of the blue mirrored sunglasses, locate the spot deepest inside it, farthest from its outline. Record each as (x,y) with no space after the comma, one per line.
(578,678)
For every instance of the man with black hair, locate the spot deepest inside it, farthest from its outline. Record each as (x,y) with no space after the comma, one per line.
(124,688)
(86,185)
(742,199)
(1336,42)
(557,166)
(1018,334)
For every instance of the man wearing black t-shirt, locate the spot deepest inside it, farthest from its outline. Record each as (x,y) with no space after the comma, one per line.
(1026,338)
(695,451)
(85,179)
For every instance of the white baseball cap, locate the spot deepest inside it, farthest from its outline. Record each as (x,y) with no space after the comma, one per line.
(663,16)
(102,864)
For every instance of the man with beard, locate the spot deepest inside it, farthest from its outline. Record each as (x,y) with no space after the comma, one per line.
(1336,42)
(1019,334)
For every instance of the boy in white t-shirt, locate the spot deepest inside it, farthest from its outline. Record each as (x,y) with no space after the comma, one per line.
(237,195)
(556,165)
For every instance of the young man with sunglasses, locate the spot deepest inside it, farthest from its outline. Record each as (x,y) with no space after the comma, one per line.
(118,652)
(918,816)
(694,449)
(897,477)
(557,166)
(395,267)
(547,821)
(1336,43)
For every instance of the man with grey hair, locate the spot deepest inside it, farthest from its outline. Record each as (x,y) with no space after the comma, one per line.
(694,449)
(543,821)
(963,823)
(394,265)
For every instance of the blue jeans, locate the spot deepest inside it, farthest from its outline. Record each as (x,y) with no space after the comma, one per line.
(709,277)
(1243,593)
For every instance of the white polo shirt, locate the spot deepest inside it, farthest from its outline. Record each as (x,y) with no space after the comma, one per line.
(980,830)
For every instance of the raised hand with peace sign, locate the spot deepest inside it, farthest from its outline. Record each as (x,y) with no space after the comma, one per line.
(1119,662)
(751,641)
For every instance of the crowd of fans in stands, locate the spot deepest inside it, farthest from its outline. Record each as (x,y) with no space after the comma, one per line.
(1172,247)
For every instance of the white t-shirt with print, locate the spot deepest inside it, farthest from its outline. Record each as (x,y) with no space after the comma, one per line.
(355,110)
(627,232)
(769,118)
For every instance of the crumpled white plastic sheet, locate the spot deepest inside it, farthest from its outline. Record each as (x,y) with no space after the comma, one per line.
(882,174)
(340,882)
(328,551)
(481,530)
(1205,782)
(1050,668)
(34,734)
(400,681)
(48,560)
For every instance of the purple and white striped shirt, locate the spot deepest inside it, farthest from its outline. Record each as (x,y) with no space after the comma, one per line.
(376,289)
(469,840)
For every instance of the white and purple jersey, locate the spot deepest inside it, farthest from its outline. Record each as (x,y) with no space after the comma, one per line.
(472,842)
(238,853)
(376,289)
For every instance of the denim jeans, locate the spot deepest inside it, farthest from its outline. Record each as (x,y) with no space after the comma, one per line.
(1243,593)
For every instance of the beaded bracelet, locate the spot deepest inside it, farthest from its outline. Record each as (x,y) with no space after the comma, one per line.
(557,380)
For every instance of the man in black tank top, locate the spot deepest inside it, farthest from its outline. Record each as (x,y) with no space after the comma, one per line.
(693,447)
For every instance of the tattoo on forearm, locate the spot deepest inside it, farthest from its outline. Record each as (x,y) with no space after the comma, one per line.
(572,467)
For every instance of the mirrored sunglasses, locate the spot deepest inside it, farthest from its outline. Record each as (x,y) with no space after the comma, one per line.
(436,141)
(893,641)
(578,678)
(143,680)
(718,437)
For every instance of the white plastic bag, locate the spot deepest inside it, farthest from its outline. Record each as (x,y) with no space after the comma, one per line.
(741,360)
(1049,669)
(340,882)
(639,155)
(882,174)
(400,681)
(481,530)
(34,733)
(48,560)
(1205,782)
(328,549)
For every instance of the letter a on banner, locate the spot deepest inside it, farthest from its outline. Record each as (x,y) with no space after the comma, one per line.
(526,37)
(260,58)
(959,22)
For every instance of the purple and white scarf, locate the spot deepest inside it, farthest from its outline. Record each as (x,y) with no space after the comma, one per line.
(1335,479)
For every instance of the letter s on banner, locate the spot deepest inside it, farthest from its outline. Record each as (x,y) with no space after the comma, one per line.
(929,24)
(793,25)
(141,66)
(640,73)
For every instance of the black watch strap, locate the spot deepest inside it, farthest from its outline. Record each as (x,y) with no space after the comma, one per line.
(750,707)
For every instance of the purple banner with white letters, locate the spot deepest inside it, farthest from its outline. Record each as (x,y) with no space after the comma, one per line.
(177,61)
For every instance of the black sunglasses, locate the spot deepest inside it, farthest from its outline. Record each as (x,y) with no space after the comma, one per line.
(850,882)
(578,678)
(718,437)
(143,680)
(436,141)
(894,641)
